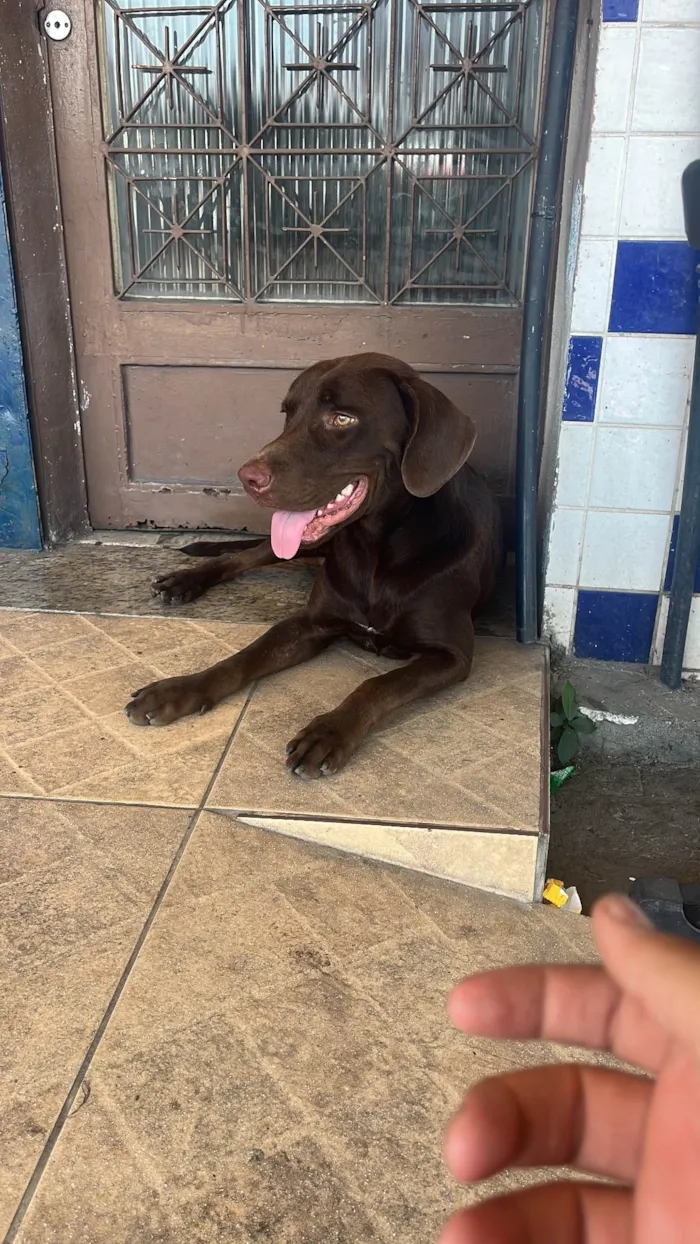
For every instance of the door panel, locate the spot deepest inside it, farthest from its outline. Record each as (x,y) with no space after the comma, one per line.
(195,425)
(192,426)
(248,187)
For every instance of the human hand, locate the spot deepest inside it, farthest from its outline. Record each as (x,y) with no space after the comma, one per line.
(642,1005)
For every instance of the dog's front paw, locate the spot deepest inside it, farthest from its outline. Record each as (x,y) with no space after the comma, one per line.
(322,748)
(180,587)
(163,702)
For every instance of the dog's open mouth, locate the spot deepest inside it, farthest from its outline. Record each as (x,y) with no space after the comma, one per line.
(290,528)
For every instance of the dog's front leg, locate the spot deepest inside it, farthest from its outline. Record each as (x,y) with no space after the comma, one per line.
(329,741)
(288,643)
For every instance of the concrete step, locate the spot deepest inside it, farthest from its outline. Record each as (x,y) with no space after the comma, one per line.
(455,786)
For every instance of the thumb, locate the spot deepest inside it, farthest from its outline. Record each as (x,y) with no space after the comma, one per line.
(660,971)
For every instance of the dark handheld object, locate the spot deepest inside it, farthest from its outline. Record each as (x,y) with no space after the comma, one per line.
(537,289)
(672,908)
(688,549)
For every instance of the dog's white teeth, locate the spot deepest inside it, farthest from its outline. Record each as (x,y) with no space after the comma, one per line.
(338,498)
(345,492)
(319,513)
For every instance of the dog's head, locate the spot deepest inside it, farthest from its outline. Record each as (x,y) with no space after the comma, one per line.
(355,427)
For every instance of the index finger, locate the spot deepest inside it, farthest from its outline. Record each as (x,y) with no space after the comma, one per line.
(577,1005)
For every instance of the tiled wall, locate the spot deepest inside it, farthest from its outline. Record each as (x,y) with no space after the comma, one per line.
(631,347)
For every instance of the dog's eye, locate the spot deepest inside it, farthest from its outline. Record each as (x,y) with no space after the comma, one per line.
(340,420)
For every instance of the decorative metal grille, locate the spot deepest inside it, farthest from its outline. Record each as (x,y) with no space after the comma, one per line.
(341,151)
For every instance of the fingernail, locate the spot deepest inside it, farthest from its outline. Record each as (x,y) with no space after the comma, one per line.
(622,909)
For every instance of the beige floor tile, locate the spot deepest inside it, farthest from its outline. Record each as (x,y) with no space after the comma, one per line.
(145,636)
(13,781)
(58,762)
(470,757)
(36,713)
(176,779)
(504,863)
(30,632)
(18,674)
(76,885)
(63,730)
(106,693)
(87,654)
(280,1065)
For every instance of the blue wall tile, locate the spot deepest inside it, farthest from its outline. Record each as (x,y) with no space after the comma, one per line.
(620,10)
(655,288)
(582,371)
(19,515)
(672,561)
(615,626)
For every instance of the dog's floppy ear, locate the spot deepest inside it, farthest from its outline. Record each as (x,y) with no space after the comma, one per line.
(441,439)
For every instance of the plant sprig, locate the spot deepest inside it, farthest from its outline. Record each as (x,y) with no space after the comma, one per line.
(568,724)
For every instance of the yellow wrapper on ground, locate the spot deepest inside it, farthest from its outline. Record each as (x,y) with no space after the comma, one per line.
(555,893)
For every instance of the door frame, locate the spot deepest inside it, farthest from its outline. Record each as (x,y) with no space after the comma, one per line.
(36,233)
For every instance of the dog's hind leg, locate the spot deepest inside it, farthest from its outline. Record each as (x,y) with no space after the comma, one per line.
(187,584)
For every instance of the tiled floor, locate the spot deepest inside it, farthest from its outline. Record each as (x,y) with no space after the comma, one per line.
(211,1032)
(452,761)
(274,1063)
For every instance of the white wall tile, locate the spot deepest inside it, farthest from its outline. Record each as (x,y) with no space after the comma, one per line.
(614,78)
(667,90)
(624,552)
(602,187)
(634,468)
(565,539)
(652,204)
(669,11)
(589,312)
(646,380)
(691,655)
(575,446)
(558,618)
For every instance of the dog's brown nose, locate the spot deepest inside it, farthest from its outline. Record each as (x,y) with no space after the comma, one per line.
(255,476)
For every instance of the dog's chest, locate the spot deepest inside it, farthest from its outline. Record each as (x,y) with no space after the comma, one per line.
(368,602)
(370,640)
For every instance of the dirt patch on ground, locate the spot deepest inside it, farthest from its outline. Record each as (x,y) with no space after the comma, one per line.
(616,820)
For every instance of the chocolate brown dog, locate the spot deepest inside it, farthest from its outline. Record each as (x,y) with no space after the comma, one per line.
(370,473)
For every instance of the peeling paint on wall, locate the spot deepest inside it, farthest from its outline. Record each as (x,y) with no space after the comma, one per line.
(19,512)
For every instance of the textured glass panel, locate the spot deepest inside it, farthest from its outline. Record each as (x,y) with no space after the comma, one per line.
(171,101)
(375,152)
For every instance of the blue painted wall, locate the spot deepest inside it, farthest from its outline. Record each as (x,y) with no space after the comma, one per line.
(19,511)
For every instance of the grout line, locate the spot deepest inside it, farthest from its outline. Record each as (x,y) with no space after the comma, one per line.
(100,803)
(63,1114)
(618,509)
(329,818)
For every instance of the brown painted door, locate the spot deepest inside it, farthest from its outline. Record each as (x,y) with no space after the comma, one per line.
(251,185)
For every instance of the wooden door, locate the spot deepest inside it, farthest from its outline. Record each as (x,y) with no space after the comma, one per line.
(251,185)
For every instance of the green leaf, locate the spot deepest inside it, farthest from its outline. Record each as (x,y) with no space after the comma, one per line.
(568,701)
(568,745)
(556,720)
(583,724)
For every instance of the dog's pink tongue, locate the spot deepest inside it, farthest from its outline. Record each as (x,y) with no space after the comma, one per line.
(287,530)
